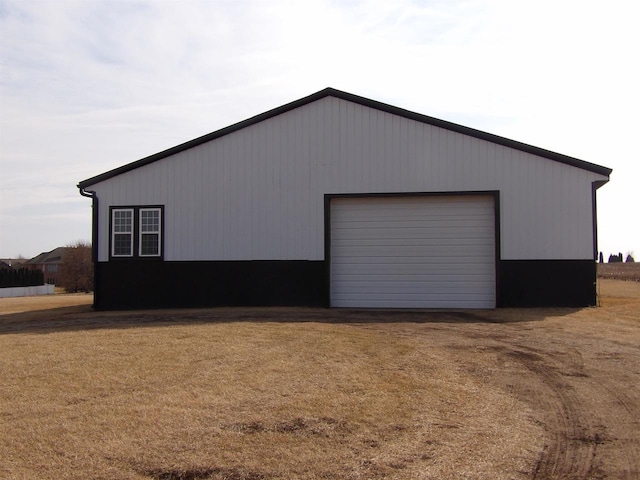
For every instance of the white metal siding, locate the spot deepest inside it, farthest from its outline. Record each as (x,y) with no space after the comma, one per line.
(420,252)
(258,193)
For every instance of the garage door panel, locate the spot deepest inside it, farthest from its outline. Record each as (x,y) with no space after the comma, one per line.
(411,301)
(395,260)
(410,270)
(425,289)
(435,280)
(408,220)
(413,252)
(438,206)
(416,225)
(408,296)
(392,234)
(451,240)
(438,303)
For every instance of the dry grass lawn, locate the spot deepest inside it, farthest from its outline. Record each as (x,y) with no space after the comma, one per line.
(263,394)
(620,271)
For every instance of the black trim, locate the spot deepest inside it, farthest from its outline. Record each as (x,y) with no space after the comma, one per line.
(594,218)
(94,240)
(547,283)
(360,101)
(327,247)
(594,221)
(138,283)
(495,194)
(594,187)
(136,233)
(498,246)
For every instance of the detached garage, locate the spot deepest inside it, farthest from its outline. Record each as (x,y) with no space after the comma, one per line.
(337,200)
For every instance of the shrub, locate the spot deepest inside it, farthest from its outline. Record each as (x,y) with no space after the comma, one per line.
(76,270)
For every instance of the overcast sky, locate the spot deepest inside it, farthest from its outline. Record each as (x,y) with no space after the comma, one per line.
(87,86)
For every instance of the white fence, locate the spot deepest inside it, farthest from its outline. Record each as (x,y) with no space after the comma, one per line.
(26,291)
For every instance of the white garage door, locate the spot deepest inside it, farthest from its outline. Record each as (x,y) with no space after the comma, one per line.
(413,252)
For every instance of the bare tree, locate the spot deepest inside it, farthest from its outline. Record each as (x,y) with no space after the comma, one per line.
(76,271)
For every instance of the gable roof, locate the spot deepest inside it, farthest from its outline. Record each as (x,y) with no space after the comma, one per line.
(332,92)
(54,256)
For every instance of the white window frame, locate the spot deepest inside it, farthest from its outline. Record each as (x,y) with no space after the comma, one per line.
(157,232)
(114,233)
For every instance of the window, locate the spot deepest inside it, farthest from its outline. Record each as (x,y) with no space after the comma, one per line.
(122,239)
(136,232)
(149,232)
(51,268)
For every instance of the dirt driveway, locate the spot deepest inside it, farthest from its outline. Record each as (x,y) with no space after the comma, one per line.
(579,372)
(575,372)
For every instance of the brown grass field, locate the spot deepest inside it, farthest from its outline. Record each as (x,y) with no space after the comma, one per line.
(284,393)
(620,271)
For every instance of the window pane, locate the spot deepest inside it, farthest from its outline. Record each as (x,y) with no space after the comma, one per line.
(122,221)
(150,221)
(122,244)
(149,244)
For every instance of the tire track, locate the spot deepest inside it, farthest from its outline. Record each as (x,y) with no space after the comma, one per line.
(627,412)
(582,434)
(572,449)
(544,381)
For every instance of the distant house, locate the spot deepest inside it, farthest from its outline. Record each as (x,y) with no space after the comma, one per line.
(49,263)
(13,262)
(338,200)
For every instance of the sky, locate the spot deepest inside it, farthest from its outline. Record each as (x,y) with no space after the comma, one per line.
(87,86)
